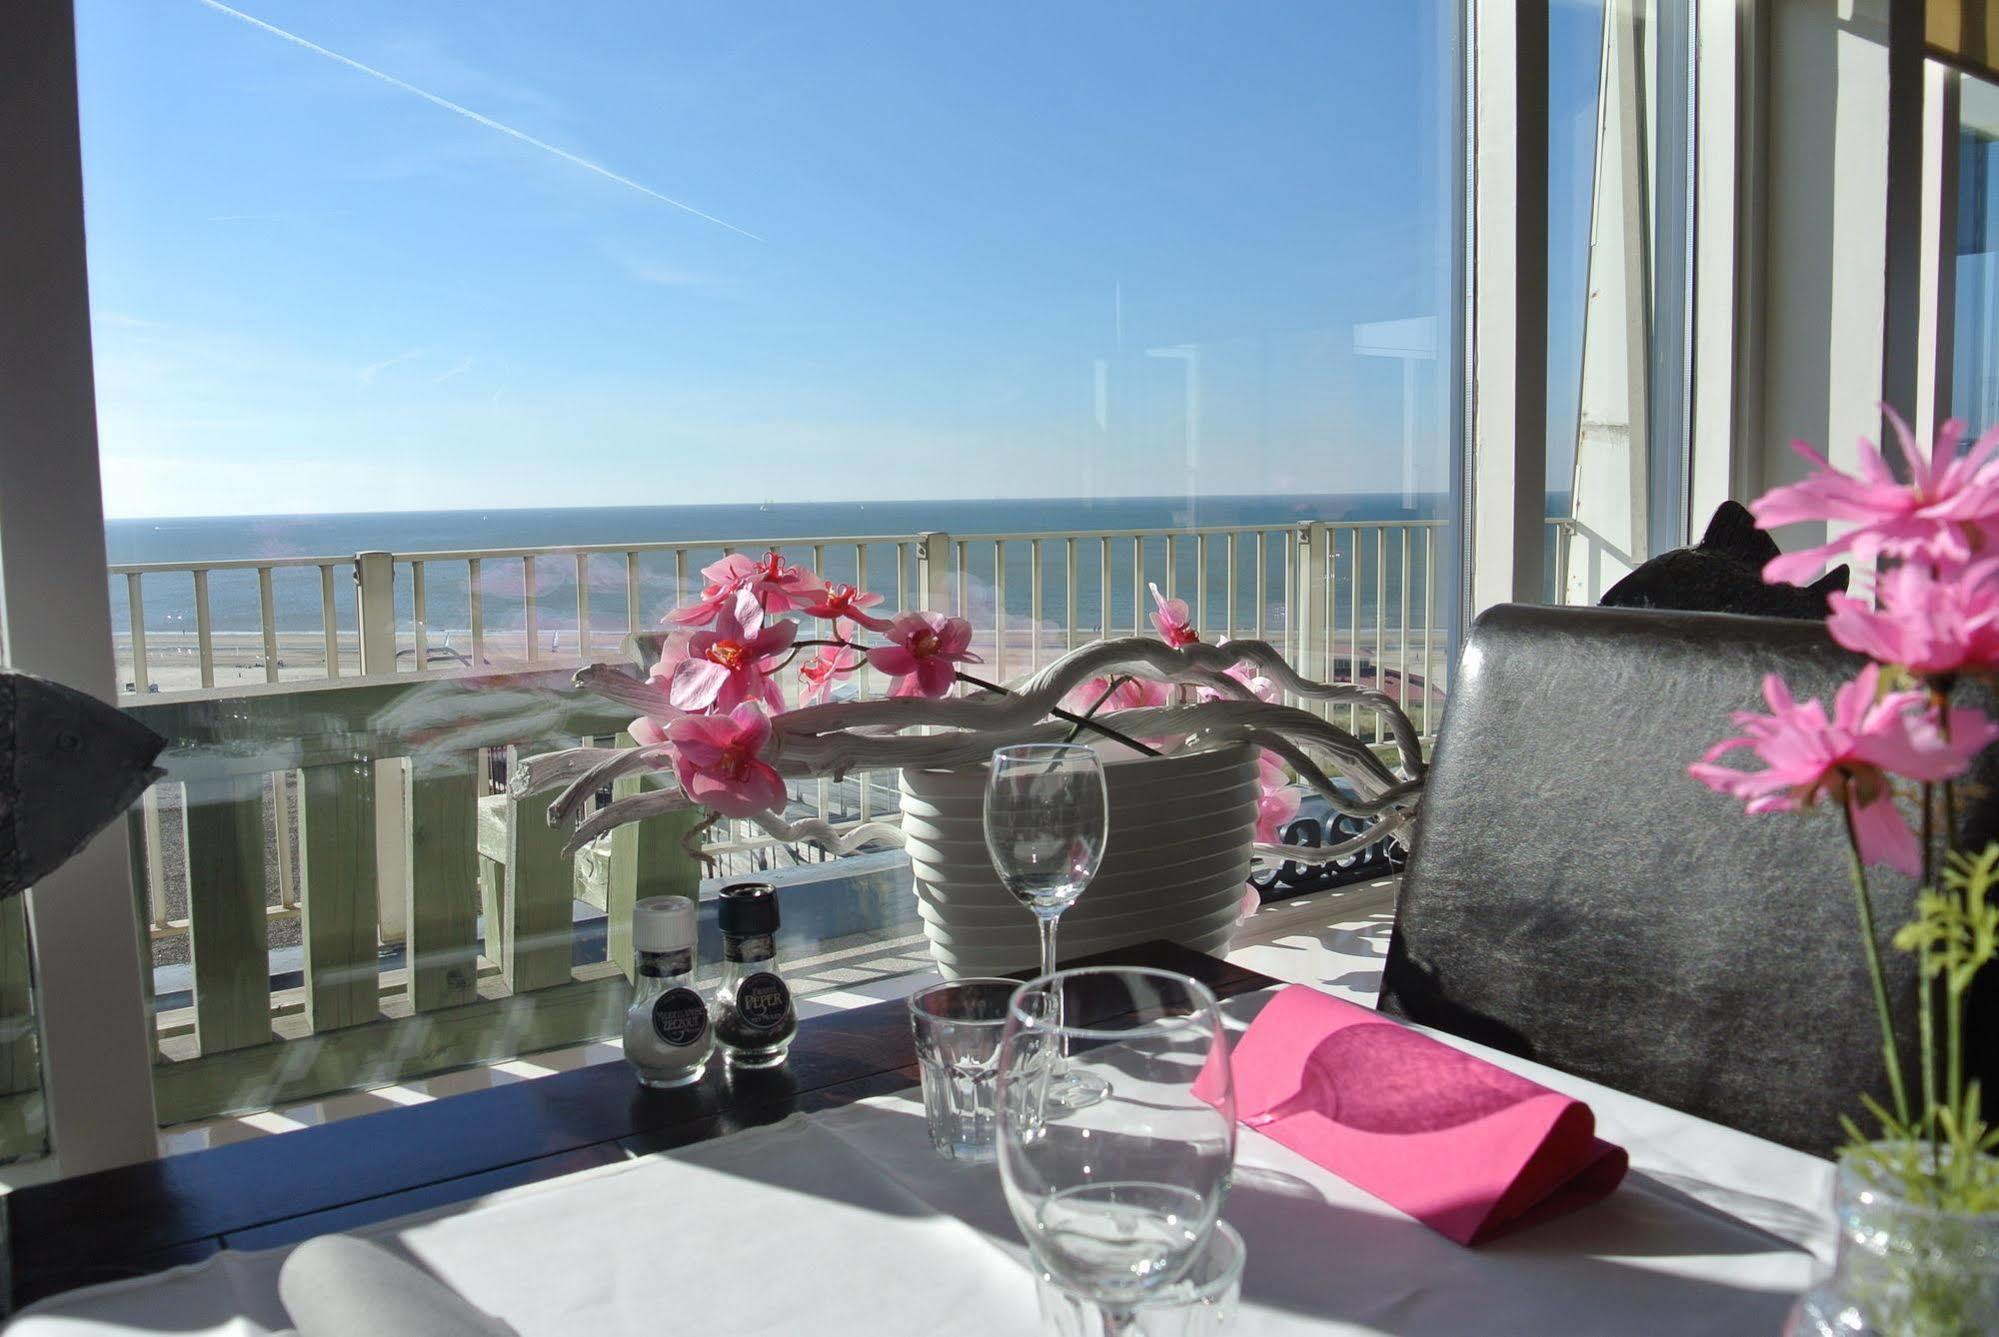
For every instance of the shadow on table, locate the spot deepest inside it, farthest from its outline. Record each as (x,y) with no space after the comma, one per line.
(1364,941)
(1315,1258)
(1609,1267)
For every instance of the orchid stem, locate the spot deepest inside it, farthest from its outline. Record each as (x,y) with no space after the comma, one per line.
(1097,705)
(1078,720)
(1874,972)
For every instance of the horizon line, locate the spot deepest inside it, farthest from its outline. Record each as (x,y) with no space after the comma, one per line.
(1177,498)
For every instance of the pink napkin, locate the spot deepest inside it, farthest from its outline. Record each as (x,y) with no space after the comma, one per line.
(1468,1149)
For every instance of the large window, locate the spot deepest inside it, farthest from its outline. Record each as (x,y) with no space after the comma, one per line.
(439,347)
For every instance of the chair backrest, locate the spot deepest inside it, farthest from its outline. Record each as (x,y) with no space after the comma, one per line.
(1575,897)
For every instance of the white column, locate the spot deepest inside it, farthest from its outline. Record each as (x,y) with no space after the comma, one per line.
(96,1050)
(1508,437)
(1730,115)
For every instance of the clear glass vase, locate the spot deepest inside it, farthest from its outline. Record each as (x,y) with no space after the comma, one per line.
(1902,1268)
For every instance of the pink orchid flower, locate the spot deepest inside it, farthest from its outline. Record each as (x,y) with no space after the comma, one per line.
(732,663)
(778,587)
(1251,902)
(781,587)
(1940,515)
(1276,806)
(924,647)
(1932,626)
(1172,619)
(1848,758)
(1260,687)
(650,728)
(824,669)
(838,603)
(1131,694)
(719,760)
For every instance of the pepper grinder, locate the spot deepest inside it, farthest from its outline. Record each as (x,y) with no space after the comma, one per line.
(754,1018)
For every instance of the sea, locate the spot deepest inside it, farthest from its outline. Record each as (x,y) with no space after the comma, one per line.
(235,599)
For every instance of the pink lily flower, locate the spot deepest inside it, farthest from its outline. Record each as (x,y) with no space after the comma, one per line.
(732,663)
(924,647)
(778,587)
(824,669)
(1929,625)
(1940,515)
(1848,758)
(1172,619)
(836,603)
(1131,694)
(719,761)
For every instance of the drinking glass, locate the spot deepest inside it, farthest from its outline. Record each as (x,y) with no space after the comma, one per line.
(957,1028)
(1202,1303)
(1117,1200)
(1046,816)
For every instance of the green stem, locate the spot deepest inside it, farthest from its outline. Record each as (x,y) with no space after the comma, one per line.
(1874,972)
(1926,987)
(1954,1005)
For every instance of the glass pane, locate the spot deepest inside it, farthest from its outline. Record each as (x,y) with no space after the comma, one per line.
(441,348)
(1975,343)
(1618,288)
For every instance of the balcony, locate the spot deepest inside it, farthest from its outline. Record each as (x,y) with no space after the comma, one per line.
(338,890)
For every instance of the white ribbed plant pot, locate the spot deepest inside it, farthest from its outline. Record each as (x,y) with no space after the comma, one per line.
(1174,866)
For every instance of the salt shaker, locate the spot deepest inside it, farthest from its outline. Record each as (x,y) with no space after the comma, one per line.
(667,1032)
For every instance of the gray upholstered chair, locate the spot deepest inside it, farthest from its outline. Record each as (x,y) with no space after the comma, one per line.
(1575,898)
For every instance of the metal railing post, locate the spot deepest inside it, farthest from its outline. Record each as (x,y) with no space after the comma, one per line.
(1315,604)
(375,607)
(375,603)
(933,569)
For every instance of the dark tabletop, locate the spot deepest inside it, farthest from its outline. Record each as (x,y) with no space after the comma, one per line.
(355,1172)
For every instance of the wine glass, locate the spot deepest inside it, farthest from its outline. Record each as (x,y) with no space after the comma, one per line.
(1116,1201)
(1046,815)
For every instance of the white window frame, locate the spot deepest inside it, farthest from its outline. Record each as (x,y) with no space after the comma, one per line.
(1506,323)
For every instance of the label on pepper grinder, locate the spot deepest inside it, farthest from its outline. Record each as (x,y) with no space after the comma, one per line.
(762,1001)
(679,1017)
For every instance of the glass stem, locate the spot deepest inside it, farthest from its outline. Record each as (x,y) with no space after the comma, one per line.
(1118,1322)
(1048,925)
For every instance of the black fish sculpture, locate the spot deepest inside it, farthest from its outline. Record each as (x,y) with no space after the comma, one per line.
(69,765)
(1723,573)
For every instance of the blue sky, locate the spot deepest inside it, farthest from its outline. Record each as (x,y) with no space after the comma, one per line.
(988,244)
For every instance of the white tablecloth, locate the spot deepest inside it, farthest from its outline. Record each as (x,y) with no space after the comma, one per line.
(847,1223)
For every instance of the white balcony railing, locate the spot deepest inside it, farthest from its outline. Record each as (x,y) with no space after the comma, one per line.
(1341,598)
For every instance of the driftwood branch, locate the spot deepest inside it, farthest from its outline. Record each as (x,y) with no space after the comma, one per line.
(847,737)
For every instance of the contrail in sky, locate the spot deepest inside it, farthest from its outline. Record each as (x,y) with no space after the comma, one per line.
(475,117)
